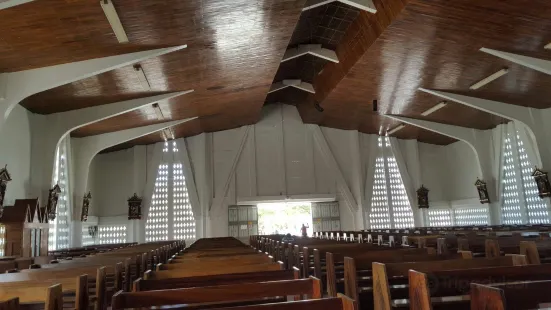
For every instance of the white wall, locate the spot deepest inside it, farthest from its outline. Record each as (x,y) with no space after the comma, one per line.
(449,172)
(278,158)
(462,171)
(113,182)
(434,161)
(275,159)
(15,152)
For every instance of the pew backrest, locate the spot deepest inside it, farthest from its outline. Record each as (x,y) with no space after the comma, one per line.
(213,294)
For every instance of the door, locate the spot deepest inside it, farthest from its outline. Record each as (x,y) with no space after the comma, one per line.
(242,222)
(326,216)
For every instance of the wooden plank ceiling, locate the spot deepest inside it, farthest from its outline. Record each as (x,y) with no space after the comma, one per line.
(235,47)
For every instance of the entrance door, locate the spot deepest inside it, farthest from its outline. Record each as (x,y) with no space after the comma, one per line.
(242,222)
(326,216)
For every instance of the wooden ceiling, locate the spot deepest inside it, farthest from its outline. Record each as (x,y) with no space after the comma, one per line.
(235,47)
(435,44)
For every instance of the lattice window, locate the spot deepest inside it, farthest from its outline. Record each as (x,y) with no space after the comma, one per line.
(170,214)
(390,206)
(471,216)
(520,200)
(536,207)
(2,239)
(156,228)
(510,210)
(58,235)
(401,210)
(440,218)
(184,222)
(379,217)
(110,234)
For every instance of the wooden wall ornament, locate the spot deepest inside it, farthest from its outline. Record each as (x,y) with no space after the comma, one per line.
(4,179)
(423,197)
(135,207)
(93,231)
(482,189)
(85,207)
(542,181)
(53,197)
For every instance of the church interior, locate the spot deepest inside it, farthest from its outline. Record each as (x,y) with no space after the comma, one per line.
(275,154)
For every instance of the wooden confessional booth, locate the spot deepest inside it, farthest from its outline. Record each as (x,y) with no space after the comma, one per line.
(25,228)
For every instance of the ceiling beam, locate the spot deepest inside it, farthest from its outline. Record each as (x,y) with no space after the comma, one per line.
(114,20)
(16,86)
(84,150)
(9,3)
(298,84)
(478,140)
(365,5)
(530,62)
(313,49)
(509,111)
(533,119)
(50,129)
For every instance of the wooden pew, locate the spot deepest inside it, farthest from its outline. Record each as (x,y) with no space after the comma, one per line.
(50,296)
(357,279)
(319,254)
(216,260)
(340,303)
(76,284)
(518,296)
(200,270)
(453,285)
(387,297)
(336,268)
(75,291)
(218,279)
(218,294)
(9,304)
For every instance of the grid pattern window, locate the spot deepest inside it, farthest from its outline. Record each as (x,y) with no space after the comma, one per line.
(536,207)
(184,222)
(440,218)
(471,216)
(520,201)
(170,214)
(390,206)
(510,210)
(110,234)
(58,236)
(156,227)
(379,217)
(2,239)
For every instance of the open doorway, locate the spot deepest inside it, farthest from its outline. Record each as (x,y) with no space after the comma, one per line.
(284,218)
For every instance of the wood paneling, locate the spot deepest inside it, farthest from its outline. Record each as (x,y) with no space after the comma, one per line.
(434,44)
(234,50)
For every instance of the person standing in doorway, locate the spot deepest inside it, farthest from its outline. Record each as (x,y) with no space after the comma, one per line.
(304,230)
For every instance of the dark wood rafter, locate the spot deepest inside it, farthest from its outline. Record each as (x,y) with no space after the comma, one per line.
(235,51)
